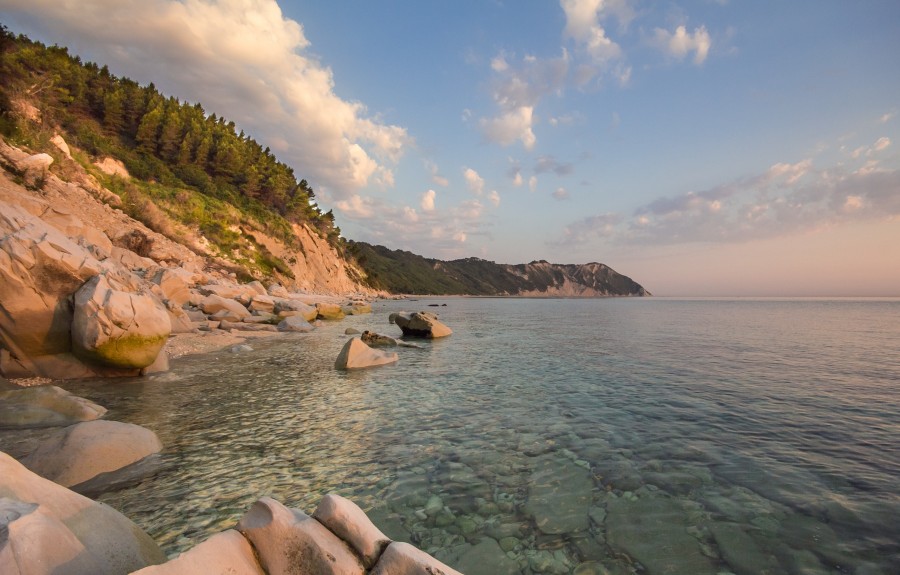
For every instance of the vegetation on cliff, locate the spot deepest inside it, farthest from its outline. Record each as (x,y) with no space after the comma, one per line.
(399,271)
(187,167)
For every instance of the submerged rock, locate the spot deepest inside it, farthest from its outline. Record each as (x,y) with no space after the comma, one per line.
(559,496)
(357,355)
(49,529)
(420,324)
(82,451)
(45,406)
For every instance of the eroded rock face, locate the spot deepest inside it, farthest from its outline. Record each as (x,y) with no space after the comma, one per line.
(82,451)
(226,553)
(116,328)
(45,406)
(420,324)
(53,530)
(346,520)
(357,355)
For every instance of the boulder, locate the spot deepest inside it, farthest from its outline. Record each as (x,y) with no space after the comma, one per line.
(277,290)
(357,308)
(116,328)
(289,541)
(215,303)
(262,303)
(373,339)
(49,529)
(39,269)
(346,520)
(241,326)
(45,406)
(295,323)
(257,287)
(173,285)
(82,451)
(329,311)
(226,553)
(284,306)
(559,496)
(420,324)
(404,559)
(60,143)
(357,355)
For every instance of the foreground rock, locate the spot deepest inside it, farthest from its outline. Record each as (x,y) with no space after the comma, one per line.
(420,324)
(51,530)
(357,355)
(337,539)
(116,328)
(83,451)
(45,406)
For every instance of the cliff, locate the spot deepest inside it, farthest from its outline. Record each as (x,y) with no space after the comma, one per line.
(404,272)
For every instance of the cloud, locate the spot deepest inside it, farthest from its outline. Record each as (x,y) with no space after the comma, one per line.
(583,25)
(561,194)
(356,206)
(589,229)
(436,176)
(680,43)
(548,163)
(474,181)
(511,126)
(428,200)
(243,60)
(494,198)
(532,183)
(885,118)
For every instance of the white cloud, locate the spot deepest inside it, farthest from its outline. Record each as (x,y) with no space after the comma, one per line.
(356,207)
(532,183)
(561,194)
(410,214)
(589,229)
(881,144)
(474,181)
(680,43)
(243,60)
(583,25)
(885,118)
(428,200)
(511,126)
(436,176)
(494,198)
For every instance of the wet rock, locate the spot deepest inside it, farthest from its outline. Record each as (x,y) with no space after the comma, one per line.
(486,557)
(63,532)
(740,550)
(357,355)
(559,496)
(118,328)
(45,406)
(420,324)
(653,531)
(82,451)
(329,311)
(357,308)
(289,541)
(404,559)
(351,331)
(373,339)
(228,553)
(619,473)
(343,518)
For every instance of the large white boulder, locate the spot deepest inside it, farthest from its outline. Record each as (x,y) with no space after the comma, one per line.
(226,553)
(50,529)
(82,451)
(357,355)
(117,328)
(45,406)
(420,324)
(346,520)
(290,542)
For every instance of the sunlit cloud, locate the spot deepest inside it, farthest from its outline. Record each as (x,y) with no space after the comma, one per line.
(261,74)
(494,198)
(474,181)
(428,200)
(436,177)
(560,194)
(680,43)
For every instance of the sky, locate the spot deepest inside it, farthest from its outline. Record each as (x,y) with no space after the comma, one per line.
(703,148)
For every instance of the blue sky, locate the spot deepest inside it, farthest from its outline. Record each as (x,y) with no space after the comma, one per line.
(702,148)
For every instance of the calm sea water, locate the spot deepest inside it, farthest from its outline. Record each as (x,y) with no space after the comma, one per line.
(555,436)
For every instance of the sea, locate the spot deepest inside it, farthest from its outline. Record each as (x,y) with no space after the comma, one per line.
(609,436)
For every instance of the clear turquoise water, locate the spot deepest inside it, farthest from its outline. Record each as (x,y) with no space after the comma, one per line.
(589,436)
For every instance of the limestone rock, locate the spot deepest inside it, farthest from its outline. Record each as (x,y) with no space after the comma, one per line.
(242,326)
(82,451)
(346,520)
(226,553)
(357,308)
(357,355)
(290,542)
(173,284)
(263,303)
(116,328)
(60,143)
(39,269)
(283,306)
(404,559)
(45,406)
(487,557)
(214,303)
(420,324)
(106,541)
(329,311)
(295,323)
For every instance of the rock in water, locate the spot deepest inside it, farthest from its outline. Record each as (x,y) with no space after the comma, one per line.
(559,496)
(45,406)
(404,559)
(357,355)
(116,328)
(373,339)
(82,451)
(346,520)
(49,529)
(420,324)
